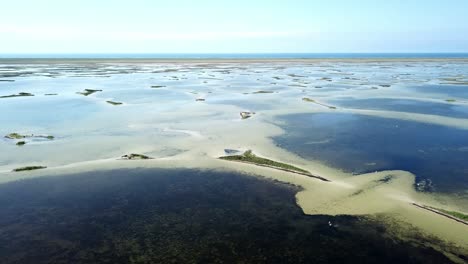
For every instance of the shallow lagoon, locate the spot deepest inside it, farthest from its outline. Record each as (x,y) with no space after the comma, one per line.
(160,117)
(360,144)
(161,97)
(405,105)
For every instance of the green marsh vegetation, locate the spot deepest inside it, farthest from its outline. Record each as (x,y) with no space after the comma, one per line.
(29,168)
(114,103)
(245,115)
(87,92)
(19,136)
(134,156)
(22,94)
(455,214)
(249,157)
(310,100)
(263,92)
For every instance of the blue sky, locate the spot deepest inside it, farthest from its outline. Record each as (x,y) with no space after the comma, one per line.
(240,26)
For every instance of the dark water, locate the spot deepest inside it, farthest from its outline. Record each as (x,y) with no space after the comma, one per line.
(404,105)
(240,55)
(183,216)
(359,144)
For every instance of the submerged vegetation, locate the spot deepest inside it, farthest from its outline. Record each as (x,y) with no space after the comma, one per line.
(386,179)
(21,143)
(29,168)
(17,95)
(87,92)
(187,216)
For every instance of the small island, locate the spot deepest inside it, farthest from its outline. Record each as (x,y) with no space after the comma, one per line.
(17,95)
(310,100)
(245,115)
(456,216)
(114,103)
(263,92)
(29,168)
(250,158)
(134,156)
(19,136)
(87,92)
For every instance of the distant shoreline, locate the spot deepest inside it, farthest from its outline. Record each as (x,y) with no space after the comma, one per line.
(218,60)
(226,57)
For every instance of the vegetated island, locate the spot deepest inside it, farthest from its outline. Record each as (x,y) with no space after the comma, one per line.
(250,158)
(114,103)
(87,92)
(134,156)
(17,95)
(263,92)
(307,99)
(457,216)
(29,168)
(245,115)
(19,136)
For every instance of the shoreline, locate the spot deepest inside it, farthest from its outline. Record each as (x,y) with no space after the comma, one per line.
(219,60)
(440,213)
(286,170)
(340,196)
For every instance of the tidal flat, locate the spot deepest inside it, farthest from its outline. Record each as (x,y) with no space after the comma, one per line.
(386,134)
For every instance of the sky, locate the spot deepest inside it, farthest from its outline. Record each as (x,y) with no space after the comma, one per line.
(237,26)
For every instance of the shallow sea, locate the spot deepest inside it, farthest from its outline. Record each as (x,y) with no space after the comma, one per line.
(357,117)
